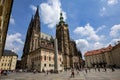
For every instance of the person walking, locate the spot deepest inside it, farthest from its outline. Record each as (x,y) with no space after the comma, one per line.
(98,69)
(34,71)
(105,69)
(89,69)
(112,69)
(0,72)
(86,70)
(47,72)
(77,72)
(95,69)
(72,73)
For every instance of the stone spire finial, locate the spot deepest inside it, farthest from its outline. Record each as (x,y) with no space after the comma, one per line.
(37,11)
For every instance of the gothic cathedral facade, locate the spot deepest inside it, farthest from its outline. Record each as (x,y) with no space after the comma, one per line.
(39,52)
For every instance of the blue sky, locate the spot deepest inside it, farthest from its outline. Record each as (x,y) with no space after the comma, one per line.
(92,24)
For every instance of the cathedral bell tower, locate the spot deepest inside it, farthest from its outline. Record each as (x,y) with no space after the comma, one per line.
(62,35)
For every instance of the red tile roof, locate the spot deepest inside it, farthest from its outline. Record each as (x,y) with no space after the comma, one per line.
(98,51)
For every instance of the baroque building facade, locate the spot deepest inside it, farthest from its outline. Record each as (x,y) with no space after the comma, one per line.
(104,57)
(5,10)
(44,52)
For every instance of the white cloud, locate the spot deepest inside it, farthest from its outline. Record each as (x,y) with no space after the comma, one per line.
(12,20)
(34,8)
(86,30)
(115,31)
(100,28)
(50,12)
(97,45)
(112,2)
(82,44)
(89,32)
(91,40)
(14,41)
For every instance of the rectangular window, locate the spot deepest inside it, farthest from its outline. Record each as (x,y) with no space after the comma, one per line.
(0,25)
(44,65)
(0,38)
(1,10)
(45,58)
(60,59)
(49,58)
(39,57)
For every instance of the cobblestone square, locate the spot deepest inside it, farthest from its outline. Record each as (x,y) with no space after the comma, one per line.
(92,75)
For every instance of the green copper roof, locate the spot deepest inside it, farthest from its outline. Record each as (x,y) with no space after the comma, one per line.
(61,18)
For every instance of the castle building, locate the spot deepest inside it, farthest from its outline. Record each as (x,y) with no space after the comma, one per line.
(5,10)
(8,60)
(104,57)
(44,52)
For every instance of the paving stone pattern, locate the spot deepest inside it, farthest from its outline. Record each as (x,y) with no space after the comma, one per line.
(92,75)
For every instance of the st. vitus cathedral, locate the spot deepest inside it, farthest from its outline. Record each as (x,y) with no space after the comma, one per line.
(40,51)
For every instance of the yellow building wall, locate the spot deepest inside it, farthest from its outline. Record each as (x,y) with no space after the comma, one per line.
(34,60)
(94,59)
(49,63)
(108,58)
(111,57)
(116,56)
(8,62)
(13,63)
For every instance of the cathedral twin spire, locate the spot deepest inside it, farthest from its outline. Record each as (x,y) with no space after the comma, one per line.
(34,28)
(35,21)
(37,11)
